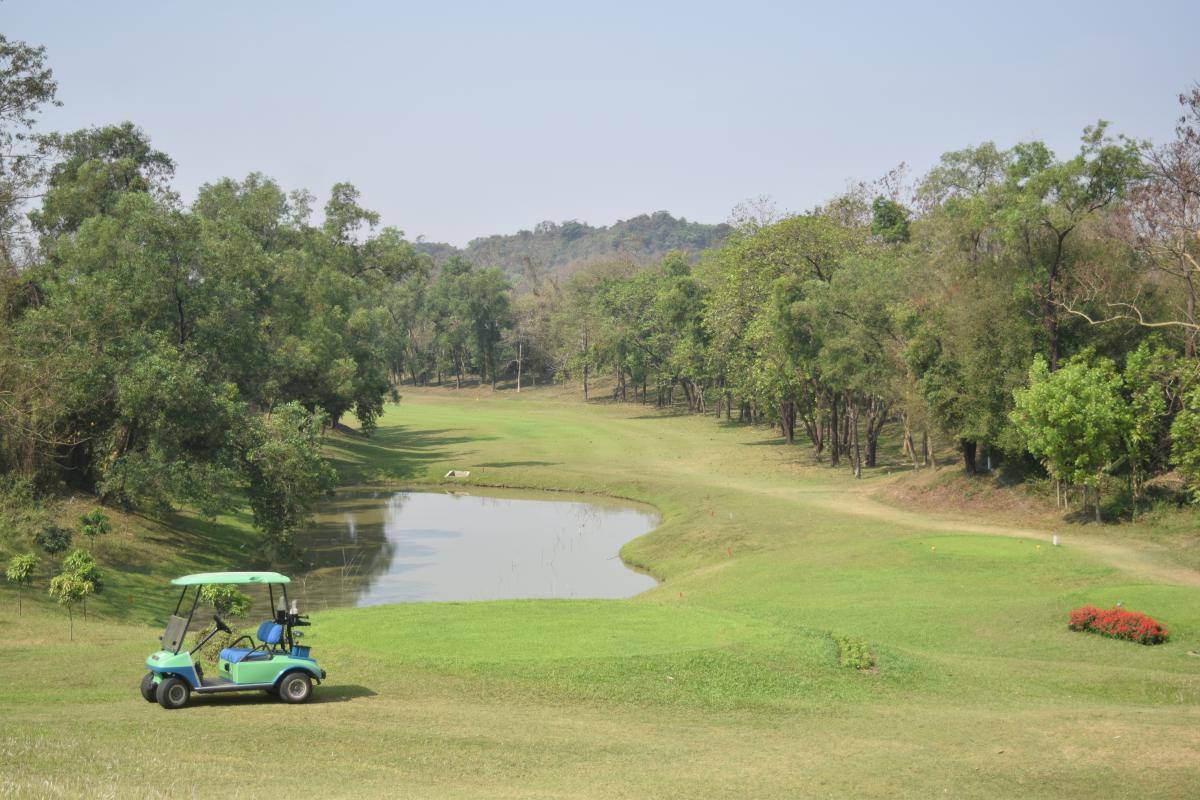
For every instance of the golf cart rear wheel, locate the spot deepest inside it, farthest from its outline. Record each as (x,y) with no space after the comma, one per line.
(173,692)
(295,687)
(149,690)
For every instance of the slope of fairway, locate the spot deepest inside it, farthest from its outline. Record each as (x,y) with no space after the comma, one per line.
(723,681)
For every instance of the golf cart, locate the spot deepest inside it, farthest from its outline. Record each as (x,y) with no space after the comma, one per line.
(270,661)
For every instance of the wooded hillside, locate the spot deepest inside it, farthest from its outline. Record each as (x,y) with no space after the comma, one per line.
(564,247)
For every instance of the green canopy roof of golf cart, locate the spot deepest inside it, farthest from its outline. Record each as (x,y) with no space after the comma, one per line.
(231,577)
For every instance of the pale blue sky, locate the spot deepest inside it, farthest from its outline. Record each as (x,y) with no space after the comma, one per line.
(460,119)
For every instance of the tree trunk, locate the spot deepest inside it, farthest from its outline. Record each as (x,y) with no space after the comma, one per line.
(834,455)
(854,438)
(520,358)
(968,455)
(847,402)
(1189,342)
(585,366)
(877,414)
(910,449)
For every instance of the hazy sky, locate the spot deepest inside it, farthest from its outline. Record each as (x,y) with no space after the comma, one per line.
(459,120)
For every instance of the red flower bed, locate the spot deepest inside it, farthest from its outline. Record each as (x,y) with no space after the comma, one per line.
(1118,623)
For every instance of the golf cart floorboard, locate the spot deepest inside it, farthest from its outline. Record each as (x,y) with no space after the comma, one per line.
(226,685)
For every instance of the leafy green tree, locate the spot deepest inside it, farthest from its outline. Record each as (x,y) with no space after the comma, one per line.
(226,599)
(286,474)
(1155,385)
(488,304)
(1044,203)
(82,564)
(1074,420)
(889,221)
(20,573)
(98,167)
(68,589)
(228,602)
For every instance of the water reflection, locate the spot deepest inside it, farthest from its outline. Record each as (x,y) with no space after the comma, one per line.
(370,546)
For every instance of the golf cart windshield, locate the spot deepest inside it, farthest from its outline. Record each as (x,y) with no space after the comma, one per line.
(177,626)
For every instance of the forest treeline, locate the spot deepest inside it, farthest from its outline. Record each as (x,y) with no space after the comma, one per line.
(1014,303)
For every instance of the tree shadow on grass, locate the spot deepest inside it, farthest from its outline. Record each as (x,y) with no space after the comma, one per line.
(396,452)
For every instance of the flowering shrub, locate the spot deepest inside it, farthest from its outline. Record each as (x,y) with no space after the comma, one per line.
(1118,623)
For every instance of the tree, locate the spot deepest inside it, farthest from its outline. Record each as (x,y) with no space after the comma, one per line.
(487,301)
(20,572)
(82,565)
(1155,382)
(26,84)
(889,221)
(286,474)
(226,599)
(1161,225)
(1074,420)
(97,167)
(69,589)
(1042,204)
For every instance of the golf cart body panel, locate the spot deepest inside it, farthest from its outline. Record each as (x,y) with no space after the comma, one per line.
(167,662)
(268,671)
(276,662)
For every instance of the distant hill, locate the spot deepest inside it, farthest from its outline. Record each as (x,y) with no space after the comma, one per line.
(564,247)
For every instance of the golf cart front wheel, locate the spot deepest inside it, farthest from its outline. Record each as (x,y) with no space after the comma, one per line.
(295,688)
(149,690)
(173,692)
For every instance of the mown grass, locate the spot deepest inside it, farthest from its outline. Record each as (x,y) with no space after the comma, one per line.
(726,680)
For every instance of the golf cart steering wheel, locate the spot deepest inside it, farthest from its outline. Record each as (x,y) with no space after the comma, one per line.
(221,626)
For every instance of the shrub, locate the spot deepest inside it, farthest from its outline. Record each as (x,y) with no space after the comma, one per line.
(1117,623)
(52,538)
(93,523)
(854,653)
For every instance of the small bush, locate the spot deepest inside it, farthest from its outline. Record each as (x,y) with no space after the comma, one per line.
(52,538)
(1117,623)
(93,523)
(854,653)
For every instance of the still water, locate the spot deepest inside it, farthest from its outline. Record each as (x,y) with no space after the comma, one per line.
(368,547)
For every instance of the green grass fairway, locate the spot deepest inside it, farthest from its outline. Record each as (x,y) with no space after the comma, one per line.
(724,681)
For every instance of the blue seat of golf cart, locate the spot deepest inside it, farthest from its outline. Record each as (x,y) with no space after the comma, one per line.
(269,633)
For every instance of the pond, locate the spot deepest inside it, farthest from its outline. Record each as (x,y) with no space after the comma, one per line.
(372,546)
